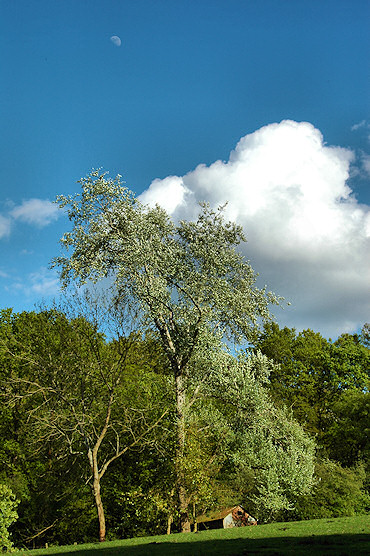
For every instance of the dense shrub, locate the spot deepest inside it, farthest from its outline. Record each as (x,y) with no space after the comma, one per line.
(338,492)
(8,515)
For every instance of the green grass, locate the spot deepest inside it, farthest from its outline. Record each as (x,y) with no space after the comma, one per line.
(345,536)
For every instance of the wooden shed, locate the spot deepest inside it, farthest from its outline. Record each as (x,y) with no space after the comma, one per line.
(235,516)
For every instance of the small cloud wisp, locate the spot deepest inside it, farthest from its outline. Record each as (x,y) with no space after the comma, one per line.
(38,212)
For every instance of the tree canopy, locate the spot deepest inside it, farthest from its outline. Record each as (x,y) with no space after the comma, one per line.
(314,372)
(177,276)
(84,397)
(187,281)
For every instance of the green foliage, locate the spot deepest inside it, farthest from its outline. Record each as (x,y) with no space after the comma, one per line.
(271,459)
(365,335)
(75,515)
(187,282)
(178,276)
(8,515)
(179,421)
(325,384)
(314,373)
(347,438)
(338,492)
(77,393)
(238,446)
(62,375)
(137,494)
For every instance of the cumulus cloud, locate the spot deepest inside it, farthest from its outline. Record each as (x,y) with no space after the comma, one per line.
(38,212)
(170,193)
(307,236)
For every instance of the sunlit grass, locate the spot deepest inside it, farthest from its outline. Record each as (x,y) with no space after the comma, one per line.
(341,536)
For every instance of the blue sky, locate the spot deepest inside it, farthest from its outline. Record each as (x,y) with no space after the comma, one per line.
(188,82)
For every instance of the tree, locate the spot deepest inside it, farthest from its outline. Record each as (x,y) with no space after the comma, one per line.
(338,492)
(269,458)
(347,437)
(8,515)
(186,281)
(91,398)
(12,421)
(326,385)
(365,334)
(313,372)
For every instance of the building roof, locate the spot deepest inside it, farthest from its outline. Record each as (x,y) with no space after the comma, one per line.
(220,514)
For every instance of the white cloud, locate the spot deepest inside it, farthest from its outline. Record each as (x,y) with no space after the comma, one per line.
(170,193)
(44,283)
(364,126)
(39,212)
(366,163)
(5,224)
(360,125)
(307,236)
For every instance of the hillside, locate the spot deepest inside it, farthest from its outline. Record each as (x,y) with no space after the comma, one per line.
(341,536)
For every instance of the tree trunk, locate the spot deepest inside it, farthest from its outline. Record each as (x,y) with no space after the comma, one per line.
(169,523)
(184,513)
(99,505)
(97,496)
(195,519)
(180,451)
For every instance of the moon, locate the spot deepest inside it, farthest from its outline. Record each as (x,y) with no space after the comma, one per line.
(116,40)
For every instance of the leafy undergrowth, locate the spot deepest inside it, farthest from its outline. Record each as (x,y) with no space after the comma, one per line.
(340,537)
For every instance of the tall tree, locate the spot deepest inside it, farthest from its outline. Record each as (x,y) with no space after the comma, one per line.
(90,398)
(186,281)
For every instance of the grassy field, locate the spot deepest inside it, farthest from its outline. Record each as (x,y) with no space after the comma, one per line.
(348,536)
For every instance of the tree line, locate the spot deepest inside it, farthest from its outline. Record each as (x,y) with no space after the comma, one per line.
(167,390)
